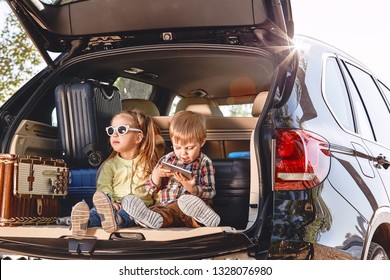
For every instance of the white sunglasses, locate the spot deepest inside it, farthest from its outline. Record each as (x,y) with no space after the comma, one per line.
(120,129)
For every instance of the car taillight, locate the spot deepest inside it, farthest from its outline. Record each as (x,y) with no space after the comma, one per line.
(302,159)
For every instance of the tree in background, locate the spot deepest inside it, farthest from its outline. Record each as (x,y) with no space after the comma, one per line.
(19,59)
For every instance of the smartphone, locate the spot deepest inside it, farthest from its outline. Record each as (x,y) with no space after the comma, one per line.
(174,168)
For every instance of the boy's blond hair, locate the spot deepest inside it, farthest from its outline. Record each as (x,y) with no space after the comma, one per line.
(187,125)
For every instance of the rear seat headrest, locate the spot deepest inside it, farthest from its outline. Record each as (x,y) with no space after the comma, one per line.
(258,103)
(147,106)
(203,106)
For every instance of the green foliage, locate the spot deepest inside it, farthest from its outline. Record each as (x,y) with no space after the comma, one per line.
(18,57)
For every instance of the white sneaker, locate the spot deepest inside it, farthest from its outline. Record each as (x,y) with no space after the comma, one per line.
(79,219)
(106,211)
(141,214)
(196,208)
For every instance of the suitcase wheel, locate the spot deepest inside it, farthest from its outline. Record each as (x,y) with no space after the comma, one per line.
(95,158)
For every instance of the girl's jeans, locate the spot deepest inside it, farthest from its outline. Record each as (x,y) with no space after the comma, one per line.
(94,218)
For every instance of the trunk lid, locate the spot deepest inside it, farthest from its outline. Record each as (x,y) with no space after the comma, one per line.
(76,26)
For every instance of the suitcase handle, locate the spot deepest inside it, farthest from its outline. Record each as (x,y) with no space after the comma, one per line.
(107,91)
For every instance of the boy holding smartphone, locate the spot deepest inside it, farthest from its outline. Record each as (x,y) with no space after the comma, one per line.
(184,202)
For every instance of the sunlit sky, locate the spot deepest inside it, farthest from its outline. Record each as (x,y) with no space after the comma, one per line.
(358,27)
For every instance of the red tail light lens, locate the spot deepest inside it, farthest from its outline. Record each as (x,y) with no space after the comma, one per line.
(302,159)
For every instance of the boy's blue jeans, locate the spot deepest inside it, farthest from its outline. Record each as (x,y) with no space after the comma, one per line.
(94,219)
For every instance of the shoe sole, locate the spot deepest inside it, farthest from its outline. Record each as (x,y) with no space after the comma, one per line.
(79,219)
(141,214)
(104,208)
(196,208)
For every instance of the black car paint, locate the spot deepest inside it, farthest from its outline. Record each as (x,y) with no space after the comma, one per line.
(340,211)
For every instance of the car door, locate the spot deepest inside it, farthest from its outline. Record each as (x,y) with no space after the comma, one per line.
(378,115)
(360,188)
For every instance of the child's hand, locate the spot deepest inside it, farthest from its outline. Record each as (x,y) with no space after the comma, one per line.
(158,173)
(163,172)
(188,184)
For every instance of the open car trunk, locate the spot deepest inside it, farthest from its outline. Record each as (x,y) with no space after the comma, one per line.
(239,199)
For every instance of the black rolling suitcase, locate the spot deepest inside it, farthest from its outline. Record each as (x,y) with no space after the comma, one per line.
(232,182)
(83,111)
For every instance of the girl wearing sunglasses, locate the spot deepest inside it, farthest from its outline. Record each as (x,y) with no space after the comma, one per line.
(125,171)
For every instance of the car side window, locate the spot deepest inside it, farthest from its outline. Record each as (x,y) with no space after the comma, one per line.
(336,94)
(133,89)
(374,103)
(363,125)
(172,110)
(237,110)
(386,91)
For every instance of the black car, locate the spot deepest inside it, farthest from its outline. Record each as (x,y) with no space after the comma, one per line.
(296,129)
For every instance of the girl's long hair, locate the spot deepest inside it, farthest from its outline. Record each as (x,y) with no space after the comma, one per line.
(148,151)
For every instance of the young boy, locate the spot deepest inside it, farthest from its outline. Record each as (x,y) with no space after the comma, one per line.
(183,202)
